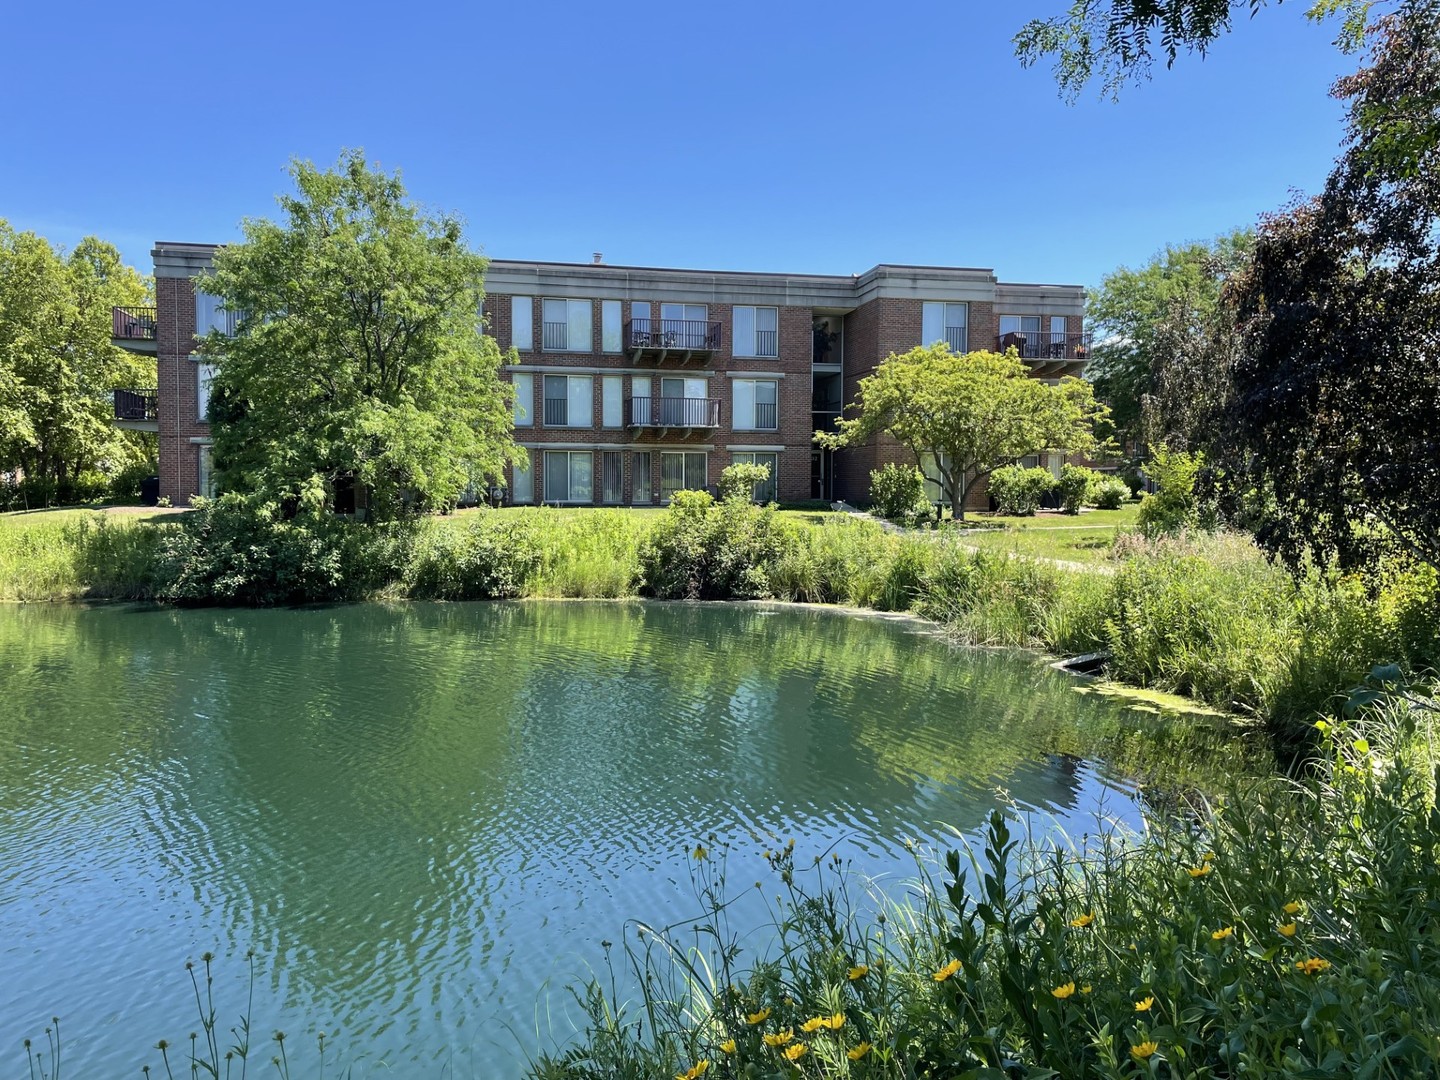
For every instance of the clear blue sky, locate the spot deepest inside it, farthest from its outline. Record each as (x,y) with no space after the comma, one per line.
(801,137)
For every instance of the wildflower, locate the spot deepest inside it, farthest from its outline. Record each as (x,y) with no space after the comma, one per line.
(1082,921)
(699,1069)
(1287,929)
(945,972)
(1144,1006)
(796,1052)
(700,852)
(836,1022)
(758,1017)
(858,1051)
(1208,857)
(1144,1050)
(1086,988)
(728,1046)
(1292,907)
(1223,933)
(1063,992)
(814,1024)
(780,1038)
(1313,966)
(859,971)
(1200,871)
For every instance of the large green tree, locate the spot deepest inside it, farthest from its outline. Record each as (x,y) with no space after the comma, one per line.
(57,362)
(964,416)
(359,355)
(1135,314)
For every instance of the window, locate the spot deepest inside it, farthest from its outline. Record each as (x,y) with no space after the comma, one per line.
(522,323)
(522,480)
(610,326)
(566,325)
(640,401)
(612,407)
(205,473)
(211,314)
(569,401)
(612,480)
(947,323)
(568,476)
(754,406)
(524,384)
(204,376)
(640,478)
(684,326)
(765,491)
(757,331)
(681,471)
(683,403)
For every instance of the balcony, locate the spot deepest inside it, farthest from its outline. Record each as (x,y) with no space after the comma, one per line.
(133,328)
(673,412)
(681,340)
(137,410)
(1051,353)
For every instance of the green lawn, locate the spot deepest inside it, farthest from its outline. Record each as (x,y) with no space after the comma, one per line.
(1085,537)
(26,519)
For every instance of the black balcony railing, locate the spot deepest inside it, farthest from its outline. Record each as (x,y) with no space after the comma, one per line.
(133,323)
(556,336)
(957,337)
(765,415)
(767,343)
(689,335)
(137,405)
(557,412)
(1046,345)
(674,412)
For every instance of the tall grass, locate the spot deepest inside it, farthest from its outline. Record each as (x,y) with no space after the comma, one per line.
(86,555)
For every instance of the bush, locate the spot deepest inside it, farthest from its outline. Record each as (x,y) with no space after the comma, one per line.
(897,492)
(1110,493)
(1174,506)
(740,480)
(491,557)
(1075,485)
(704,550)
(1018,491)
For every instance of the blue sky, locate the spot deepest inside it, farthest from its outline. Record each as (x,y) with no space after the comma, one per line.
(803,137)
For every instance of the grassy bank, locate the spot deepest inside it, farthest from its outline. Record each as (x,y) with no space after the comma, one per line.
(1205,616)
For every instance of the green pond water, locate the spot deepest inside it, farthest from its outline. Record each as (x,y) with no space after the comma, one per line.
(425,819)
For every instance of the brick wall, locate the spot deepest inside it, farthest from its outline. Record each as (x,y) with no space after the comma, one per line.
(178,390)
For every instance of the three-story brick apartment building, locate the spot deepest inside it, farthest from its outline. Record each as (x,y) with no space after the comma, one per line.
(635,382)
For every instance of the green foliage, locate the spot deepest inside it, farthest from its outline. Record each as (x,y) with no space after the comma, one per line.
(490,557)
(968,415)
(741,481)
(360,354)
(1077,486)
(88,555)
(1018,492)
(898,492)
(1110,492)
(704,550)
(1174,506)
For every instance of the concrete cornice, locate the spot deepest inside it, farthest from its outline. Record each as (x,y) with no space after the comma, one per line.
(1018,299)
(182,260)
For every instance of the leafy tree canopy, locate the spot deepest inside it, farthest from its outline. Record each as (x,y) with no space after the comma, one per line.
(359,355)
(964,416)
(57,362)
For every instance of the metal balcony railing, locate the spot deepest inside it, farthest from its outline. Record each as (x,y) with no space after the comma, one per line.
(765,413)
(767,343)
(957,337)
(555,337)
(688,335)
(141,404)
(133,323)
(1046,345)
(674,412)
(557,412)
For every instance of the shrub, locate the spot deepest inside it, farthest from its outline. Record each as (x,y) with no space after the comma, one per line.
(1018,491)
(1075,486)
(739,481)
(898,492)
(491,557)
(1110,493)
(1174,505)
(704,550)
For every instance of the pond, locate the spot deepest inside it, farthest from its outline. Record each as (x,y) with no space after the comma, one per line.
(426,819)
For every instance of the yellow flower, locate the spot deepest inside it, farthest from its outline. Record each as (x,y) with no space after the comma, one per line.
(858,1051)
(758,1017)
(728,1046)
(1292,907)
(1086,988)
(1144,1050)
(1201,870)
(1144,1006)
(796,1052)
(859,971)
(1288,929)
(836,1022)
(945,972)
(780,1038)
(1063,992)
(1223,933)
(1313,966)
(815,1023)
(699,1069)
(700,852)
(1083,921)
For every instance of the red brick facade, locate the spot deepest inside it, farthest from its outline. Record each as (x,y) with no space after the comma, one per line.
(182,432)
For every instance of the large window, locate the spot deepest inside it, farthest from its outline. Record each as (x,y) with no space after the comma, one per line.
(755,404)
(612,405)
(211,314)
(610,326)
(524,384)
(640,479)
(204,376)
(684,326)
(612,479)
(947,323)
(522,323)
(680,471)
(569,401)
(205,473)
(569,476)
(522,475)
(757,331)
(566,325)
(766,490)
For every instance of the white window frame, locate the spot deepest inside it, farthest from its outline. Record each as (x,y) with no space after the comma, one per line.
(745,330)
(937,317)
(749,399)
(665,494)
(573,397)
(570,456)
(522,323)
(612,401)
(522,480)
(523,383)
(610,327)
(579,322)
